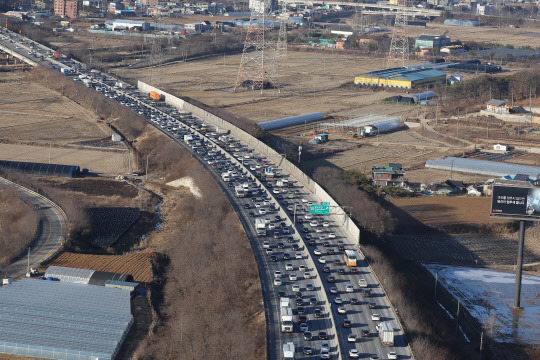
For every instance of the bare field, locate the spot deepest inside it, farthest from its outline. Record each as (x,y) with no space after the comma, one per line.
(505,36)
(31,112)
(139,265)
(310,81)
(112,162)
(446,210)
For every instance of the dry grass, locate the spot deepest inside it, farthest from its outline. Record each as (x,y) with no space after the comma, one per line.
(18,224)
(139,265)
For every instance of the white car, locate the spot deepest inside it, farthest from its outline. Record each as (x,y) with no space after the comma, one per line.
(349,288)
(325,346)
(318,229)
(257,205)
(308,216)
(342,310)
(298,256)
(351,338)
(266,245)
(296,288)
(277,274)
(278,282)
(326,224)
(304,200)
(362,283)
(322,260)
(354,354)
(293,277)
(392,355)
(262,211)
(302,268)
(289,267)
(290,207)
(269,251)
(313,223)
(332,236)
(271,226)
(317,252)
(307,275)
(275,191)
(375,317)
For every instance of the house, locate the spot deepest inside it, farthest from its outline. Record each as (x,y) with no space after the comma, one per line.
(432,41)
(451,187)
(498,106)
(453,49)
(391,175)
(342,44)
(473,191)
(501,147)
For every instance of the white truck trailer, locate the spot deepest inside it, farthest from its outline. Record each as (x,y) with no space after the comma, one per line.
(287,323)
(240,191)
(288,351)
(386,333)
(260,227)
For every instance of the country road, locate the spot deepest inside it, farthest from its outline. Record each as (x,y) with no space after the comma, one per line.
(51,233)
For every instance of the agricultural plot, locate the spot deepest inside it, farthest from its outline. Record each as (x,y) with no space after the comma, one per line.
(109,223)
(138,265)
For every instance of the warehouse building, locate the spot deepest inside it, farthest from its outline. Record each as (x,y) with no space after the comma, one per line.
(63,320)
(432,41)
(402,77)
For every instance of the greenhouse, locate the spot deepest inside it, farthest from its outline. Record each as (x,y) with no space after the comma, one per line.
(62,320)
(483,167)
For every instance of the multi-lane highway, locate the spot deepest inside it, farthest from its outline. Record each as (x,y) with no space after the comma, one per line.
(52,230)
(304,251)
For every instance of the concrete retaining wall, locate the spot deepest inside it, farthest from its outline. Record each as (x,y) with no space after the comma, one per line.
(339,216)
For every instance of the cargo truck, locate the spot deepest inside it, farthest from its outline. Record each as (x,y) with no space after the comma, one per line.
(226,176)
(87,82)
(288,351)
(155,96)
(282,183)
(64,71)
(188,137)
(386,333)
(284,301)
(57,55)
(269,172)
(260,227)
(240,191)
(286,319)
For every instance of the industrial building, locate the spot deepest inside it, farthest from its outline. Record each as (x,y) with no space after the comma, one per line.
(42,169)
(63,320)
(432,41)
(402,77)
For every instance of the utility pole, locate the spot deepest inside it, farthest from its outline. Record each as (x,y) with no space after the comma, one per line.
(50,149)
(146,168)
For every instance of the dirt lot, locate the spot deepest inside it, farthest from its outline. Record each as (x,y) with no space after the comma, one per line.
(112,162)
(29,111)
(139,265)
(311,81)
(505,36)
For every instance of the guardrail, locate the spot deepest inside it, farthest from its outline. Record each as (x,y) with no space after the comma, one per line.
(259,146)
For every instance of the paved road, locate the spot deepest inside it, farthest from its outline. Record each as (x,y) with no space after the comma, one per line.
(52,230)
(332,321)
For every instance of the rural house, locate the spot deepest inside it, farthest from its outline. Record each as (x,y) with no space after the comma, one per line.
(391,175)
(498,106)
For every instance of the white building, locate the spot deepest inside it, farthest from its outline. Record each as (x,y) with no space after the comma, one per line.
(261,6)
(500,147)
(127,25)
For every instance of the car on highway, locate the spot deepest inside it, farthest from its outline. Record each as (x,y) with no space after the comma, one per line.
(295,288)
(278,282)
(392,355)
(331,279)
(309,287)
(308,336)
(293,277)
(308,350)
(277,274)
(354,354)
(354,301)
(351,338)
(372,305)
(366,333)
(374,357)
(317,252)
(333,290)
(317,313)
(322,260)
(349,288)
(325,346)
(338,301)
(375,317)
(304,327)
(289,266)
(347,323)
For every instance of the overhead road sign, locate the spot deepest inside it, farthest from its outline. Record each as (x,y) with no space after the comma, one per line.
(319,209)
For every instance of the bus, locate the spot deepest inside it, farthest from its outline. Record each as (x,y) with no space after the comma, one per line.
(350,258)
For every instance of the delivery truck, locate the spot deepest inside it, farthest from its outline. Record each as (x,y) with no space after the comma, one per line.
(260,227)
(286,319)
(155,96)
(288,351)
(386,333)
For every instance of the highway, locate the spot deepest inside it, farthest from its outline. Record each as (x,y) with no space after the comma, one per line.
(219,154)
(51,233)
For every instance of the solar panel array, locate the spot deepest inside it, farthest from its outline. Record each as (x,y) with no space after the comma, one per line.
(66,321)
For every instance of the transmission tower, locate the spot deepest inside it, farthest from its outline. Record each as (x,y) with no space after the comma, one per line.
(359,22)
(399,45)
(156,56)
(259,60)
(282,37)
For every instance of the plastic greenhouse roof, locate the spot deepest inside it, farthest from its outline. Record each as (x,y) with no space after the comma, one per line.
(64,317)
(67,274)
(483,167)
(406,73)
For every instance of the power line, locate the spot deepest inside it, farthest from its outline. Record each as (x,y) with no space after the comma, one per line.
(398,54)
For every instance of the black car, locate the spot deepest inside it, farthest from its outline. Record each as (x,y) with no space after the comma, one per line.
(323,335)
(247,206)
(365,333)
(347,323)
(305,230)
(341,247)
(317,313)
(326,244)
(299,220)
(326,269)
(338,262)
(372,305)
(281,293)
(313,301)
(366,293)
(355,301)
(277,218)
(295,247)
(299,302)
(312,242)
(298,295)
(308,336)
(281,245)
(301,310)
(286,256)
(331,279)
(290,240)
(302,318)
(308,350)
(341,271)
(231,184)
(273,258)
(330,252)
(251,214)
(354,270)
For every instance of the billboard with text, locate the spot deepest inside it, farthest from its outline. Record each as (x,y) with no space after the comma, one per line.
(519,202)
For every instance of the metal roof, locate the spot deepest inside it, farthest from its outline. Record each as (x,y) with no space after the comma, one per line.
(71,275)
(496,102)
(291,121)
(387,126)
(483,167)
(58,320)
(406,73)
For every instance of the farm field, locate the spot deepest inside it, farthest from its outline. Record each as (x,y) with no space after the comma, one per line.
(139,265)
(310,81)
(113,162)
(31,112)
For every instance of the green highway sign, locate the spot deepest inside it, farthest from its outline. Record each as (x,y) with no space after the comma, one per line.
(319,209)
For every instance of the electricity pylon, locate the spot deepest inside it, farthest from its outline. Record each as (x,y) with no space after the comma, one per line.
(282,37)
(259,61)
(399,45)
(156,56)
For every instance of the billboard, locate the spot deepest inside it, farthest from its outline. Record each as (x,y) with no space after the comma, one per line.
(518,202)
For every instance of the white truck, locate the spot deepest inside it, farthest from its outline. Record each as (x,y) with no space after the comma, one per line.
(87,82)
(64,71)
(288,351)
(260,227)
(284,301)
(240,191)
(226,176)
(286,319)
(188,137)
(386,333)
(282,183)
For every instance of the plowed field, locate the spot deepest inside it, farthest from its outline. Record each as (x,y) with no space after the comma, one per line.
(138,265)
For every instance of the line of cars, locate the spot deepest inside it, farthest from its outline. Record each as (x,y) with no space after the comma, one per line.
(324,239)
